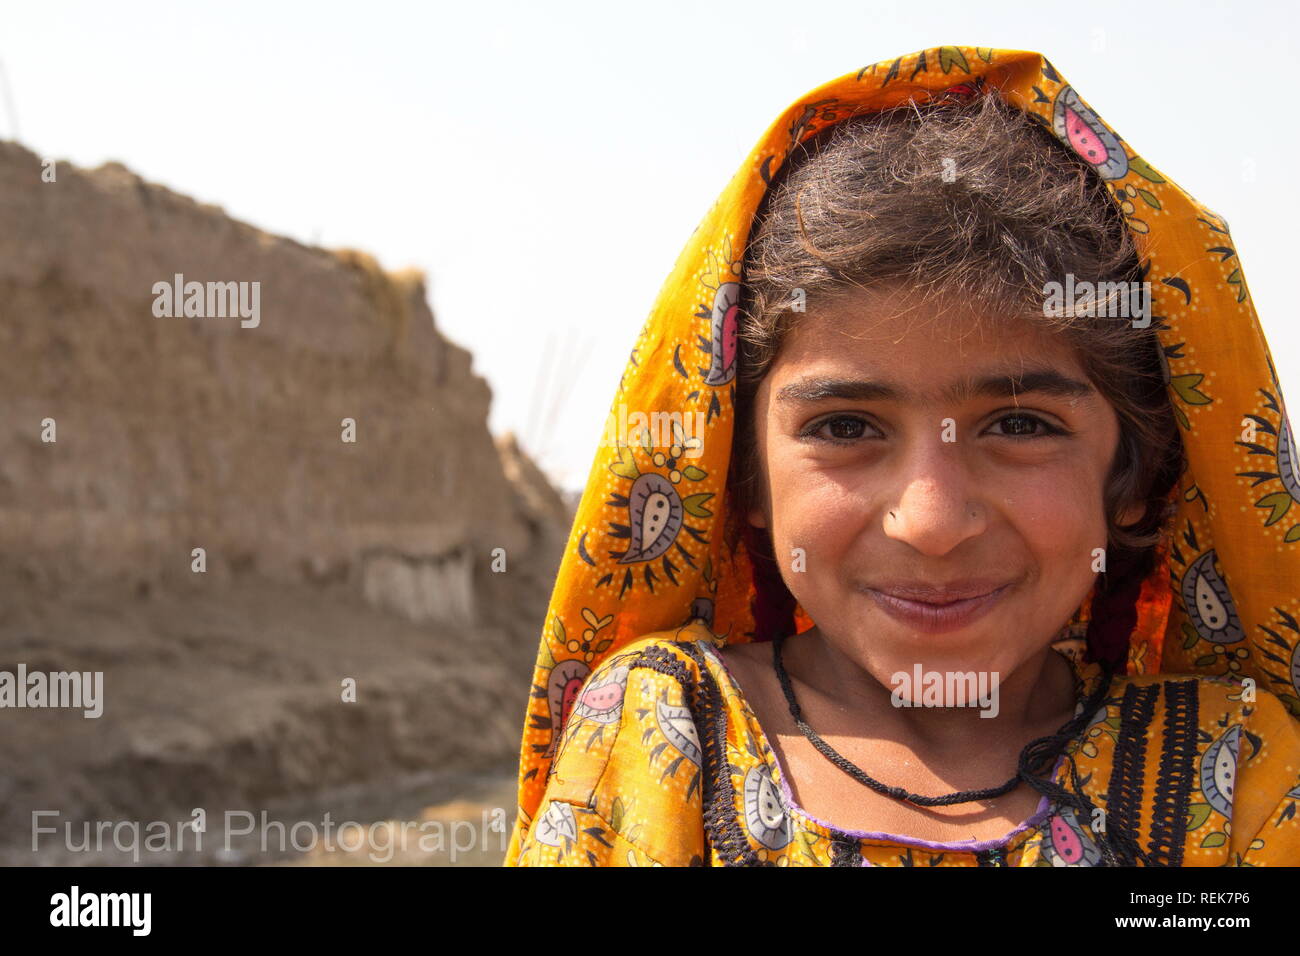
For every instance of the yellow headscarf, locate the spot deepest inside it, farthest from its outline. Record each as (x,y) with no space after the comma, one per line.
(647,552)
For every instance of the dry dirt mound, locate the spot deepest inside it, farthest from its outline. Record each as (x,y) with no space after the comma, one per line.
(230,517)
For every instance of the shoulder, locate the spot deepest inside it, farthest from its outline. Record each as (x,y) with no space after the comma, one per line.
(643,694)
(630,752)
(665,692)
(1200,699)
(687,654)
(1204,760)
(747,656)
(1195,712)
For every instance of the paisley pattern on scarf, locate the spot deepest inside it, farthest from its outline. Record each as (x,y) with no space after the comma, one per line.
(647,570)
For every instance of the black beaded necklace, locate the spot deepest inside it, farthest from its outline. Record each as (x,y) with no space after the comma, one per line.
(1034,754)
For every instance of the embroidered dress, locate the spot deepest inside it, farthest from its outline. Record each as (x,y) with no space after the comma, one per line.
(663,763)
(640,749)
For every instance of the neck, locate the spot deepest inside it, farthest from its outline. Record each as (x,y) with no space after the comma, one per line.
(1033,700)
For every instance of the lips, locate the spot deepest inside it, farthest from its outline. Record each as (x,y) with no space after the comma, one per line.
(940,594)
(941,608)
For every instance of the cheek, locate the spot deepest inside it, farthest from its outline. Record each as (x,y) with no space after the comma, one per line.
(814,519)
(1057,510)
(822,516)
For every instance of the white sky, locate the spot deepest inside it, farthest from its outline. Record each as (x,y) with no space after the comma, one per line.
(544,164)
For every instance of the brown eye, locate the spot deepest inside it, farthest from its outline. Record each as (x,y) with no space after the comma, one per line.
(840,429)
(845,428)
(1027,426)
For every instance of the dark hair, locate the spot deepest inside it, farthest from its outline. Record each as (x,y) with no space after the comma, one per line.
(972,198)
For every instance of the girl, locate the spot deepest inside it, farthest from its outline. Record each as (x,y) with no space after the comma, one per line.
(948,514)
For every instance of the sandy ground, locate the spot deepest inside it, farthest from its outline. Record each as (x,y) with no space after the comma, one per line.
(471,830)
(230,703)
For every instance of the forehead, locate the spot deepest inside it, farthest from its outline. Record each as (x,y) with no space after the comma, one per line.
(922,348)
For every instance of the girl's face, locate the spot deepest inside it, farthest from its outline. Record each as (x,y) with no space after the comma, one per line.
(902,447)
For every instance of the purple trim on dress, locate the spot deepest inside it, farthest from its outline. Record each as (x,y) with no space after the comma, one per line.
(970,846)
(1041,813)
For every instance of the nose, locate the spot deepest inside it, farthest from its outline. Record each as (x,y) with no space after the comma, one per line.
(938,507)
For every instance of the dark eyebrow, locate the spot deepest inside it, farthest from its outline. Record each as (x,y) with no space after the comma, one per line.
(1043,380)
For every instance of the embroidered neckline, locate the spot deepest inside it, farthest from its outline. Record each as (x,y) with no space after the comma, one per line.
(1085,675)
